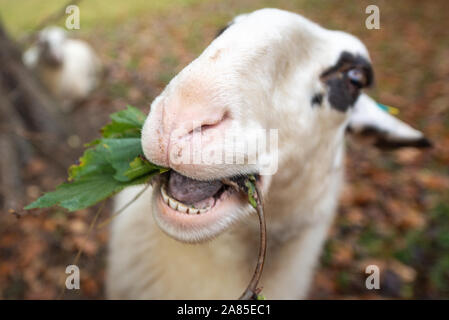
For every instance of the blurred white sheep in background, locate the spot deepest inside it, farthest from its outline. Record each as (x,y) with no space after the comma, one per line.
(69,68)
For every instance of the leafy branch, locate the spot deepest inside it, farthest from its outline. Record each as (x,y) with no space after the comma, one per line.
(109,165)
(116,161)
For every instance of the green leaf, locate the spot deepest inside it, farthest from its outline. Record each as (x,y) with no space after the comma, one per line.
(249,183)
(108,156)
(119,153)
(92,161)
(140,166)
(110,164)
(125,124)
(80,194)
(85,192)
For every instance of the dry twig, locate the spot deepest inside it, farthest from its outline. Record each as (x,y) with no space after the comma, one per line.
(252,291)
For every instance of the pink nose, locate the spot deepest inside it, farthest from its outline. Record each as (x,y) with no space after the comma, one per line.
(171,124)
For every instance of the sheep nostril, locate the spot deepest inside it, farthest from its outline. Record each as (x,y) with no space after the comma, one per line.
(208,125)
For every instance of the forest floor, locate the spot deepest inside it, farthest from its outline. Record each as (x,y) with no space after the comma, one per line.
(394,211)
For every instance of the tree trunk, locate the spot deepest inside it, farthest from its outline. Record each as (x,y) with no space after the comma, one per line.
(30,122)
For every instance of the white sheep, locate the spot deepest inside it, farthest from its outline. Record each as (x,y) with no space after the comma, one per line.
(69,68)
(269,69)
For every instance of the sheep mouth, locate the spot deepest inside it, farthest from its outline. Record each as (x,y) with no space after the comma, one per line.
(194,211)
(193,197)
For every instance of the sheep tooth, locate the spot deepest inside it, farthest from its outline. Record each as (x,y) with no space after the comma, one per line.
(182,208)
(193,211)
(204,210)
(164,195)
(173,203)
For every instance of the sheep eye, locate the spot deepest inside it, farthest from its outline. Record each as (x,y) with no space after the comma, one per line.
(357,77)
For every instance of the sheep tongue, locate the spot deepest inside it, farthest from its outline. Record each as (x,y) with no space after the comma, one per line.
(190,191)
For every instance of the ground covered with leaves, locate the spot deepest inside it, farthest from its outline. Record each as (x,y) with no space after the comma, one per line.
(394,211)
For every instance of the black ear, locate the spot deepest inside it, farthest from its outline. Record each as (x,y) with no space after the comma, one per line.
(368,119)
(219,32)
(233,21)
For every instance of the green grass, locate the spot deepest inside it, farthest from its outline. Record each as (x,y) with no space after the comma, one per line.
(22,16)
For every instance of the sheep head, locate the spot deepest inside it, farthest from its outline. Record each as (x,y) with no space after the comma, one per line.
(50,45)
(270,71)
